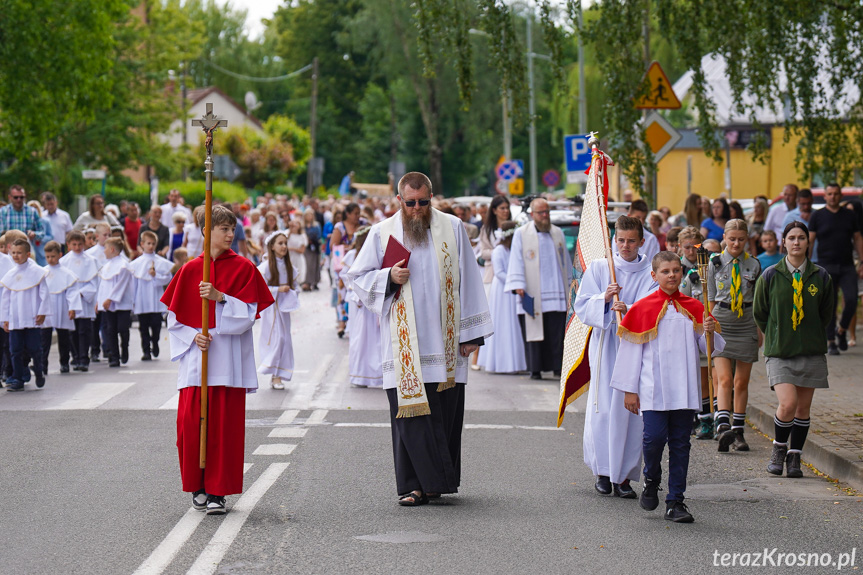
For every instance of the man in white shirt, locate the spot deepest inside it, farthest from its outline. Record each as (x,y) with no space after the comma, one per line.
(61,223)
(778,212)
(173,206)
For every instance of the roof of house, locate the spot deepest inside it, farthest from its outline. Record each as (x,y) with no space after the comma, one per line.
(727,114)
(196,95)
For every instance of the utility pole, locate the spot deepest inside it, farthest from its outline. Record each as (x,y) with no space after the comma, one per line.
(650,173)
(312,127)
(531,109)
(183,95)
(507,125)
(582,96)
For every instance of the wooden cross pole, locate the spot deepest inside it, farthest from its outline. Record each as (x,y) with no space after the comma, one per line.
(209,123)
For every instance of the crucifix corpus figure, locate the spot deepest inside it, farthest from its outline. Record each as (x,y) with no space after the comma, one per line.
(211,450)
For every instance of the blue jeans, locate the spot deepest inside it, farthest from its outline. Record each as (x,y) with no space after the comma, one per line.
(673,428)
(25,344)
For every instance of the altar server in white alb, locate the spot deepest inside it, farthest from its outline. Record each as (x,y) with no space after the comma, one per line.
(275,344)
(612,435)
(540,267)
(152,273)
(438,319)
(64,299)
(6,264)
(364,327)
(504,351)
(116,297)
(97,252)
(657,368)
(24,306)
(86,271)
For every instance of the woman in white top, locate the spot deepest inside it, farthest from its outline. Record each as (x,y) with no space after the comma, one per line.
(194,239)
(297,242)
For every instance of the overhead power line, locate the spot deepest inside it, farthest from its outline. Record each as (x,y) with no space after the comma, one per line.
(256,79)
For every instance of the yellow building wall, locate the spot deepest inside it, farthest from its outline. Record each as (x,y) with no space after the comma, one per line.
(749,178)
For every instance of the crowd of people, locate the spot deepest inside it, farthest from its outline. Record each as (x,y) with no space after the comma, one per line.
(773,278)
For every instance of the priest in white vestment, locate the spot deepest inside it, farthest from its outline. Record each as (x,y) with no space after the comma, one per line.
(612,435)
(540,268)
(434,313)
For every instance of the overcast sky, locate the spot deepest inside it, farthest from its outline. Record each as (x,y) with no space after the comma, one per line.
(257,9)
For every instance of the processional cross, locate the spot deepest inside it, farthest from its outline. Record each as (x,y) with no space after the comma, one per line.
(209,123)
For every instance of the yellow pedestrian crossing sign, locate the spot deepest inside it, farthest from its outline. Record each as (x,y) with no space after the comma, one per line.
(660,95)
(516,187)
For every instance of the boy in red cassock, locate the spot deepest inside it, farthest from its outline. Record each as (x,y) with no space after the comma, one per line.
(238,294)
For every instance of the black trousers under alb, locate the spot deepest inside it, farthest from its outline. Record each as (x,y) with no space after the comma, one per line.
(117,324)
(150,327)
(63,345)
(427,448)
(545,355)
(82,338)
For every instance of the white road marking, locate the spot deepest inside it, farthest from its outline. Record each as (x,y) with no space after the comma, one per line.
(172,403)
(146,371)
(274,449)
(467,426)
(317,417)
(162,556)
(92,395)
(287,417)
(209,559)
(302,392)
(288,432)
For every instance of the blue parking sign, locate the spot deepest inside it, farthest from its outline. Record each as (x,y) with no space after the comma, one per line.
(577,153)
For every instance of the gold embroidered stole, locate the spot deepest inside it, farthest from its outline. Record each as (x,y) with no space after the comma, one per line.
(403,328)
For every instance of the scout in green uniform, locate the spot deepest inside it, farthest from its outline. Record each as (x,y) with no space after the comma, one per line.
(731,278)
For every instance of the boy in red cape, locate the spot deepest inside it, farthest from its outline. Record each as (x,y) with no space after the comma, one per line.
(239,294)
(657,368)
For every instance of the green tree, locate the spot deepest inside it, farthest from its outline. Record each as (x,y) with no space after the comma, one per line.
(55,67)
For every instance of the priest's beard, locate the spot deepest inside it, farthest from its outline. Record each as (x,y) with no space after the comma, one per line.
(543,227)
(415,227)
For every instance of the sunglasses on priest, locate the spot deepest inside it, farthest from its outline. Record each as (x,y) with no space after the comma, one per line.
(412,203)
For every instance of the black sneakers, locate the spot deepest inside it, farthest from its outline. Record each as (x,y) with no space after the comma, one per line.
(649,496)
(777,458)
(739,441)
(792,465)
(676,511)
(199,500)
(215,505)
(603,485)
(832,349)
(40,381)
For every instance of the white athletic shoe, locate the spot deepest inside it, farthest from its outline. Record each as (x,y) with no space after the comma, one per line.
(199,500)
(215,505)
(276,383)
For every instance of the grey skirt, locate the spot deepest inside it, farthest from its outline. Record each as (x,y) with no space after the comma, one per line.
(801,370)
(740,334)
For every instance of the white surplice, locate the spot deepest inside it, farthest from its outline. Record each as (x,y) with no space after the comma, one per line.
(504,351)
(116,284)
(231,357)
(665,371)
(6,264)
(149,288)
(63,295)
(25,295)
(370,284)
(86,270)
(554,293)
(97,252)
(275,344)
(612,436)
(364,330)
(650,247)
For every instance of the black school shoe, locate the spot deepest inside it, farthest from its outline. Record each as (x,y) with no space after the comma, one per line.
(603,485)
(624,491)
(155,349)
(40,381)
(64,369)
(650,495)
(842,340)
(676,511)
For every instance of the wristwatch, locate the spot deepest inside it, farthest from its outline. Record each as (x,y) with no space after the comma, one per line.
(223,299)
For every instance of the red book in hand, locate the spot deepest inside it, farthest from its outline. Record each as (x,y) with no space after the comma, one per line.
(395,253)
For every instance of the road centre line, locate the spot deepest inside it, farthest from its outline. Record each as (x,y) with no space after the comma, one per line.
(287,417)
(467,426)
(209,559)
(274,449)
(167,550)
(317,417)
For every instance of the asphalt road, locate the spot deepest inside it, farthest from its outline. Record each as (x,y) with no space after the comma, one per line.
(91,486)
